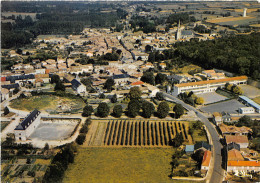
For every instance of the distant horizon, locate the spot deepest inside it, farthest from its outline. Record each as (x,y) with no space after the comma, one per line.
(133,0)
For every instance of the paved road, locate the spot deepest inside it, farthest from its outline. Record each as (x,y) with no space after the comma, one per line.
(218,173)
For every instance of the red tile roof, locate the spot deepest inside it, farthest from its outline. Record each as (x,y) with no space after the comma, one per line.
(206,158)
(137,83)
(3,78)
(212,81)
(243,163)
(236,138)
(235,155)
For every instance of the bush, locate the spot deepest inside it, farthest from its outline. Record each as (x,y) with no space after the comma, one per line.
(81,138)
(6,111)
(159,96)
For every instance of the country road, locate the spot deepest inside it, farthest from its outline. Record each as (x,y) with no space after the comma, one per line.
(217,173)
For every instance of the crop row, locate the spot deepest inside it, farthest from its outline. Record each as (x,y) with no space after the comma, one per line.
(145,133)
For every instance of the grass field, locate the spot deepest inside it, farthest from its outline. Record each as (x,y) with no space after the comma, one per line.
(44,102)
(229,19)
(257,100)
(186,69)
(121,165)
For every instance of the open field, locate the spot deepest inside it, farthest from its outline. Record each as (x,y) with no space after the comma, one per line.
(133,133)
(255,25)
(242,10)
(48,103)
(121,165)
(250,91)
(229,19)
(257,100)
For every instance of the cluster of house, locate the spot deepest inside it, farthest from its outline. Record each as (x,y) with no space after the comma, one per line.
(207,154)
(240,159)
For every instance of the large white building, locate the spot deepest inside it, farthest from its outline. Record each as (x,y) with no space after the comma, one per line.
(27,126)
(207,86)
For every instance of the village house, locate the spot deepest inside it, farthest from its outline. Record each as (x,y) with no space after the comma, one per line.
(233,130)
(205,162)
(121,78)
(242,140)
(213,75)
(250,103)
(78,87)
(4,94)
(235,155)
(217,118)
(27,126)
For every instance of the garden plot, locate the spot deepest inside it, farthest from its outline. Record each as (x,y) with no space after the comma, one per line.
(54,130)
(211,97)
(132,133)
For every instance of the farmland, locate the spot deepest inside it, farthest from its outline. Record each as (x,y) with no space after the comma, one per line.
(134,133)
(233,20)
(100,164)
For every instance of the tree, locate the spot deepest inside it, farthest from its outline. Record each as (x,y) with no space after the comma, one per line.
(55,79)
(160,78)
(102,96)
(148,48)
(87,111)
(117,111)
(160,96)
(86,81)
(133,108)
(148,109)
(238,90)
(177,141)
(179,110)
(109,84)
(135,93)
(199,100)
(59,86)
(197,125)
(103,110)
(163,110)
(244,121)
(81,138)
(46,146)
(148,77)
(114,99)
(6,111)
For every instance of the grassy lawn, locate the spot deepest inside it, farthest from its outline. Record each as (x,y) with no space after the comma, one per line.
(186,69)
(44,102)
(257,100)
(197,138)
(121,165)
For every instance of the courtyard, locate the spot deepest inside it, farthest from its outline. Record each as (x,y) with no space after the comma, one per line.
(211,97)
(54,130)
(230,106)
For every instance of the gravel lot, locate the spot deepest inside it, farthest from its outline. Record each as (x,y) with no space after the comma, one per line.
(53,131)
(230,106)
(250,91)
(211,97)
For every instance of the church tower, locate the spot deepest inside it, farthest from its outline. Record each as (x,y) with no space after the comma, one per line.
(178,33)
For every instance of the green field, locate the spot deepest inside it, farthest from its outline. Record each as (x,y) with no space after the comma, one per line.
(46,102)
(121,165)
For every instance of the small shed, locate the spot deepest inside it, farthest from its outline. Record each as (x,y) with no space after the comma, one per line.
(189,149)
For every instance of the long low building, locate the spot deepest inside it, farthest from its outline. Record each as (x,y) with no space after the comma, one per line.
(247,101)
(208,86)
